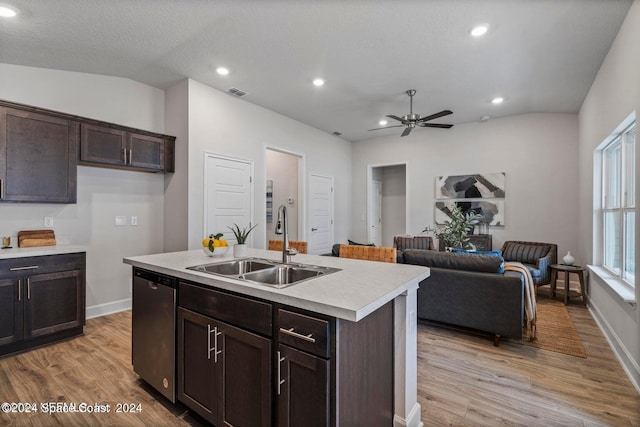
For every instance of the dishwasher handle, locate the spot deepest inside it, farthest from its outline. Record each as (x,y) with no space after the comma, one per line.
(156,279)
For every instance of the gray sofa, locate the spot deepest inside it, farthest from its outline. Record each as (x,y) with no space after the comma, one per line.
(469,291)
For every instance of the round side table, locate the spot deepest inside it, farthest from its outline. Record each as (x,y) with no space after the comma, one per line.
(557,268)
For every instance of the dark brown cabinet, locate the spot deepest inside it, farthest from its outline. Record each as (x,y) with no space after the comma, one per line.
(482,242)
(42,299)
(224,370)
(38,157)
(302,388)
(120,148)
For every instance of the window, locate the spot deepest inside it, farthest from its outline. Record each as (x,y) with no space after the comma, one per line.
(618,192)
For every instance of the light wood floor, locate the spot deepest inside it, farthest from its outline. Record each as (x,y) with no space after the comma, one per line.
(462,380)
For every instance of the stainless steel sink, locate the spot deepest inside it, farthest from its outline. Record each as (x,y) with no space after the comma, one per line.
(234,268)
(285,275)
(265,272)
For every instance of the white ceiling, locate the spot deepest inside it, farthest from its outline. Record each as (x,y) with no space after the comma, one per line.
(540,55)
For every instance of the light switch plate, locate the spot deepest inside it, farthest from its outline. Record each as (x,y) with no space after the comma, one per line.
(134,220)
(121,220)
(48,222)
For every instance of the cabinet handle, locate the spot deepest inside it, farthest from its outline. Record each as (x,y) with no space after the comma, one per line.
(209,349)
(130,155)
(19,289)
(124,156)
(1,189)
(31,267)
(297,335)
(28,288)
(215,344)
(280,381)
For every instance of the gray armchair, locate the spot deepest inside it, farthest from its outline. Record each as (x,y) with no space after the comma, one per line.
(416,242)
(537,257)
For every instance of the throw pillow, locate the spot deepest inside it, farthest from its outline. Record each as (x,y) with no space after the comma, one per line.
(485,253)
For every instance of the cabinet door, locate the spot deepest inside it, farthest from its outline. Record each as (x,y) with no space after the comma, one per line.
(10,310)
(303,392)
(197,373)
(103,145)
(245,378)
(54,302)
(38,157)
(146,152)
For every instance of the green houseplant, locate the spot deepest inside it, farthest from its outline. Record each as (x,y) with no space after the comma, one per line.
(454,233)
(241,234)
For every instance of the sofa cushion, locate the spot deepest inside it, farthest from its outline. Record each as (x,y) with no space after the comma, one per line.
(467,262)
(403,243)
(526,254)
(486,253)
(352,243)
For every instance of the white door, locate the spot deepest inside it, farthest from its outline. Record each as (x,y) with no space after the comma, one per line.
(321,213)
(375,213)
(228,190)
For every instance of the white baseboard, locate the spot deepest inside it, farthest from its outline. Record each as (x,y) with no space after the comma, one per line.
(412,420)
(108,308)
(627,362)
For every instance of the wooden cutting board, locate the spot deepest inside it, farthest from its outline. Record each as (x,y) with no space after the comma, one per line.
(33,238)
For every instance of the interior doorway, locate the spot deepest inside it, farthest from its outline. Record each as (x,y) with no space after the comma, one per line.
(285,186)
(387,211)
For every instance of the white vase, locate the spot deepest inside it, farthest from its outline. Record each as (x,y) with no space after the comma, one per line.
(568,259)
(240,250)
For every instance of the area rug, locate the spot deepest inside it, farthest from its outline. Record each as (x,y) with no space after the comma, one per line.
(555,330)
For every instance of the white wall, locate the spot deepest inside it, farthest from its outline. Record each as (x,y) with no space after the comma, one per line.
(282,169)
(614,94)
(223,124)
(102,193)
(538,152)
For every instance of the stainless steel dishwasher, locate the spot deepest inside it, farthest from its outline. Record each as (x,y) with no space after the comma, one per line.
(153,334)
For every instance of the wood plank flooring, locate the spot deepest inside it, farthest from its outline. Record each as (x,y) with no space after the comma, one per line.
(463,380)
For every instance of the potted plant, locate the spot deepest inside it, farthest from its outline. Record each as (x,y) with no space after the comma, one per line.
(454,233)
(240,249)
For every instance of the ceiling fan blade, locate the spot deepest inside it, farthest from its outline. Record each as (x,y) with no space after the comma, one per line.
(436,115)
(391,116)
(388,127)
(407,131)
(434,125)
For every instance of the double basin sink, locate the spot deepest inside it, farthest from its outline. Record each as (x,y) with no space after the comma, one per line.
(265,272)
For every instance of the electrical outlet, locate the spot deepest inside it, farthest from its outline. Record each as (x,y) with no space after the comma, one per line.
(48,222)
(134,220)
(121,220)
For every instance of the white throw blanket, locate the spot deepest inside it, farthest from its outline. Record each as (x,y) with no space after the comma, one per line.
(529,298)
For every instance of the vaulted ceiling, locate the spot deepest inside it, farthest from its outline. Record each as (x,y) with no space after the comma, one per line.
(539,55)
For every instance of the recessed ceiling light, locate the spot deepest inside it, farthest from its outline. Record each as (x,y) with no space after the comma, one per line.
(7,11)
(484,118)
(497,100)
(479,30)
(318,82)
(382,122)
(222,71)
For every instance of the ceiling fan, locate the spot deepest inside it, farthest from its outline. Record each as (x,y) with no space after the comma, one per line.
(411,120)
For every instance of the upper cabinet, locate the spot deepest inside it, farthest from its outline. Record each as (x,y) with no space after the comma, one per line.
(38,157)
(117,147)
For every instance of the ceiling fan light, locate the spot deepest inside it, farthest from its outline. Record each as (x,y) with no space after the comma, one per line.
(497,100)
(479,30)
(382,122)
(318,82)
(223,71)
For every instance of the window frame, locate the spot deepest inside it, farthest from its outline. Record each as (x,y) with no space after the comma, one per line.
(625,202)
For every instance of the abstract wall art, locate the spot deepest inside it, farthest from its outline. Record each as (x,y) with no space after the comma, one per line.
(477,186)
(491,211)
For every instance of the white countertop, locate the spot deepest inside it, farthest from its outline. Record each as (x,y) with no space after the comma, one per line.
(16,252)
(358,290)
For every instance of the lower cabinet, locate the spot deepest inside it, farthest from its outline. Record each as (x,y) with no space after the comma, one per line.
(224,372)
(303,388)
(37,308)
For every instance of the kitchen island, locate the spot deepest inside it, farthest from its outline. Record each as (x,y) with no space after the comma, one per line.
(368,310)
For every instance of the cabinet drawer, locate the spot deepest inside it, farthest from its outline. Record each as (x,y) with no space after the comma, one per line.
(18,267)
(304,332)
(240,311)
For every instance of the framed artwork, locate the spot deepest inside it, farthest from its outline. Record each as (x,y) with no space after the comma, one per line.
(491,211)
(476,186)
